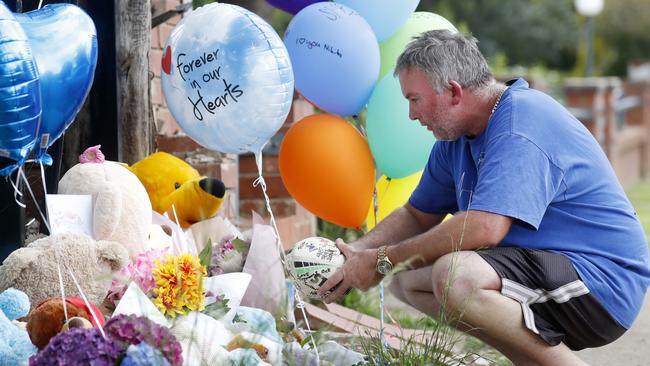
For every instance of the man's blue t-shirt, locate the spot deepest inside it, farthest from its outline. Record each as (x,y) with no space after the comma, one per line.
(539,165)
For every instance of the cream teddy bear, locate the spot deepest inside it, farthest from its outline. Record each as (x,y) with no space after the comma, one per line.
(33,269)
(121,206)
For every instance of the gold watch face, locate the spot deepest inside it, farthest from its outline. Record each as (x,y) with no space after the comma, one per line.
(383,267)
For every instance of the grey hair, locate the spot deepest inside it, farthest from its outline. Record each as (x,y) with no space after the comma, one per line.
(445,56)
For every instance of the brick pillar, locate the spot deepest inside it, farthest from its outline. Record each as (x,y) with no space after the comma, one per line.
(294,222)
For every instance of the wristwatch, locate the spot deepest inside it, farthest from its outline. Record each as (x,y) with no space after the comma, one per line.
(384,265)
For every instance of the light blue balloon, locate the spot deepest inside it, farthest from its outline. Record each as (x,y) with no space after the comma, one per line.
(227,78)
(400,146)
(335,57)
(64,43)
(384,16)
(20,94)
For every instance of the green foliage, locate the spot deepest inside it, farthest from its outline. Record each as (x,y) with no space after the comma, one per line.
(241,246)
(217,309)
(331,231)
(528,31)
(280,21)
(623,29)
(205,257)
(639,195)
(363,302)
(199,3)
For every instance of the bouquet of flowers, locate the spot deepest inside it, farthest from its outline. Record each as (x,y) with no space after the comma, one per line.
(227,256)
(130,341)
(174,283)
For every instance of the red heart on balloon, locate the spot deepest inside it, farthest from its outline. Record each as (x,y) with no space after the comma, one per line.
(167,60)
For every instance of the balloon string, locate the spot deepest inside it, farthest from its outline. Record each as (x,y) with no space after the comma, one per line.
(180,241)
(40,3)
(83,296)
(61,288)
(21,174)
(359,126)
(299,303)
(16,186)
(382,341)
(259,181)
(31,193)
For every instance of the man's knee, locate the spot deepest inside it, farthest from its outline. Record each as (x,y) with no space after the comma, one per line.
(456,277)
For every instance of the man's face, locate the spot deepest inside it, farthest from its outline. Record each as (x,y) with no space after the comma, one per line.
(429,108)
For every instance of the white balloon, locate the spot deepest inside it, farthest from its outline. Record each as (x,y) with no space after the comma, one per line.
(227,78)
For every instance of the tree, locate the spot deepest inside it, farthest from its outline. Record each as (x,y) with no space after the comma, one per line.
(623,29)
(529,32)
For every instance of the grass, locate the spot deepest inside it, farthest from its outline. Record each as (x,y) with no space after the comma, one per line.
(639,195)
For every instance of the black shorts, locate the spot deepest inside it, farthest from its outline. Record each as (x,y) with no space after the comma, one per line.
(555,302)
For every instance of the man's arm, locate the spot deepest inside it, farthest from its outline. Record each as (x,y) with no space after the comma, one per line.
(468,230)
(465,231)
(403,223)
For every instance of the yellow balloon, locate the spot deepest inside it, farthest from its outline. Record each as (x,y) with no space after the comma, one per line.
(391,194)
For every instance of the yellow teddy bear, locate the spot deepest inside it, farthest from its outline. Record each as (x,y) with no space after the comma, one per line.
(170,181)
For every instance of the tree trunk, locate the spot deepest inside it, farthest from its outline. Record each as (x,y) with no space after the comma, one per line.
(132,44)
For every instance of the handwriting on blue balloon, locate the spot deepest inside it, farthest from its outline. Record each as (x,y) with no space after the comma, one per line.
(315,44)
(227,78)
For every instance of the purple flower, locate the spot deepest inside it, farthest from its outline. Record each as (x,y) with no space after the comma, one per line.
(78,347)
(225,258)
(130,329)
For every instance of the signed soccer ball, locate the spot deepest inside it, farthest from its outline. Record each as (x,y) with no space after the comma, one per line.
(311,262)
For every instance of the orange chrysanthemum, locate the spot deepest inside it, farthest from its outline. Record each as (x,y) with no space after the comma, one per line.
(179,284)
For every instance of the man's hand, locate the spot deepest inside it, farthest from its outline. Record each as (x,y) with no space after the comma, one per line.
(358,271)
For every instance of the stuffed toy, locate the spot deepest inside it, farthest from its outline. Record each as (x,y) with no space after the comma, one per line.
(121,207)
(48,318)
(15,346)
(33,269)
(170,181)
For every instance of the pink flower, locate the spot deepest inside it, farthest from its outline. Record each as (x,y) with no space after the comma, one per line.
(92,155)
(140,271)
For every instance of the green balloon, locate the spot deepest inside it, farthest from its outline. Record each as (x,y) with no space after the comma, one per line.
(417,23)
(400,146)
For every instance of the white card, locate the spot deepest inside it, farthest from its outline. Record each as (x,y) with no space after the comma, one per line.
(70,213)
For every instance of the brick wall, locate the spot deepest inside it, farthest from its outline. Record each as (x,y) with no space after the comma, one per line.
(237,172)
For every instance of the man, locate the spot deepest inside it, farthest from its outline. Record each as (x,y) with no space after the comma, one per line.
(544,253)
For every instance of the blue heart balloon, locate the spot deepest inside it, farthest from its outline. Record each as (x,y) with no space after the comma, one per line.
(20,94)
(64,43)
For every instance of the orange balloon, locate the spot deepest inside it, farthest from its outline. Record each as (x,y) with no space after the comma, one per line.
(327,167)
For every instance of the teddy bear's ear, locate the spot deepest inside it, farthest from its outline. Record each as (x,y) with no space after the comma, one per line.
(107,211)
(17,264)
(113,254)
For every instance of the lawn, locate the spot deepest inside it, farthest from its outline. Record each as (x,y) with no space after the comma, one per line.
(640,197)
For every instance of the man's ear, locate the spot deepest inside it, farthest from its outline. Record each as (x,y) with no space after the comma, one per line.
(456,92)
